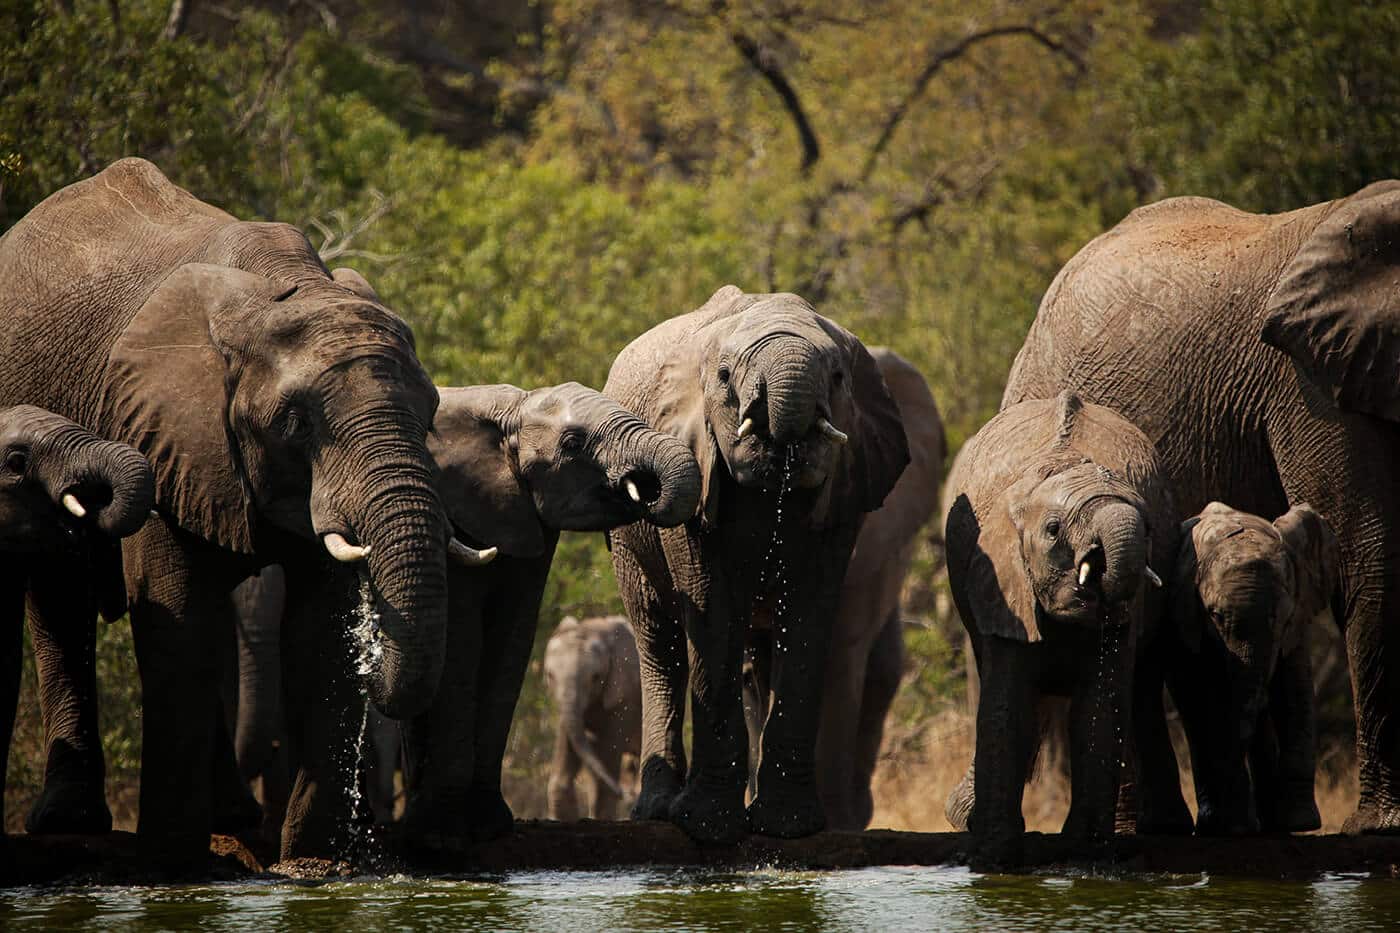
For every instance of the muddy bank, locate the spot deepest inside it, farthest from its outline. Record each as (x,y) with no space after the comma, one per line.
(119,859)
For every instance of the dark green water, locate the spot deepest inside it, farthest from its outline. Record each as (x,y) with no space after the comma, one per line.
(873,899)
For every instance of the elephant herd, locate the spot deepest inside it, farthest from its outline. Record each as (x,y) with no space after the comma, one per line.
(209,431)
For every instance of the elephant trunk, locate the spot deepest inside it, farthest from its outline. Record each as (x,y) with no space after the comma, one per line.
(389,499)
(787,365)
(107,483)
(571,706)
(1121,531)
(672,468)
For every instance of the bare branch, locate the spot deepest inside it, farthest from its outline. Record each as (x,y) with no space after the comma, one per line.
(175,22)
(764,63)
(943,57)
(336,240)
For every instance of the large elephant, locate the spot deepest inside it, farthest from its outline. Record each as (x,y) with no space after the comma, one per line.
(866,659)
(65,495)
(797,438)
(1258,353)
(514,468)
(280,408)
(595,680)
(1245,591)
(1058,506)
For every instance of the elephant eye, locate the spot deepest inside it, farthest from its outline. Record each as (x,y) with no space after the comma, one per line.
(1052,528)
(723,373)
(837,378)
(295,424)
(17,460)
(571,441)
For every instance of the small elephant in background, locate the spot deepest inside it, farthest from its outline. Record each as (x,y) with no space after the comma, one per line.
(595,680)
(866,660)
(1245,591)
(66,497)
(1058,507)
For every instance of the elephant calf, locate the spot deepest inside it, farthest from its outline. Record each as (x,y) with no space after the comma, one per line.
(593,676)
(1057,508)
(1245,591)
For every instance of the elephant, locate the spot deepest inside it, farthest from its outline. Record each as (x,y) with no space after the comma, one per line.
(513,468)
(593,676)
(866,659)
(1245,591)
(797,437)
(65,496)
(1257,352)
(285,416)
(1058,509)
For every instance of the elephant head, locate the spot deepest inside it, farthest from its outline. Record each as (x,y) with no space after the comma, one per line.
(284,402)
(771,392)
(514,464)
(587,665)
(1252,586)
(57,477)
(1067,540)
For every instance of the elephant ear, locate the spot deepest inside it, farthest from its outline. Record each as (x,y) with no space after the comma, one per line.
(166,392)
(1316,557)
(1185,601)
(471,442)
(679,403)
(998,581)
(1336,308)
(356,283)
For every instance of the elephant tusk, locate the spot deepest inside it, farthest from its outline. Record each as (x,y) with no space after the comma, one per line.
(154,514)
(1084,570)
(71,503)
(633,492)
(1152,577)
(745,429)
(470,556)
(343,550)
(831,431)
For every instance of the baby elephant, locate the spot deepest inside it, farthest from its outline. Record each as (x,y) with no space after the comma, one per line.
(593,676)
(1057,508)
(1245,591)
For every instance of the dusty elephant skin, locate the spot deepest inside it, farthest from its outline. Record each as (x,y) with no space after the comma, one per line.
(595,680)
(1245,591)
(1257,352)
(279,408)
(1058,507)
(65,496)
(767,394)
(866,660)
(513,468)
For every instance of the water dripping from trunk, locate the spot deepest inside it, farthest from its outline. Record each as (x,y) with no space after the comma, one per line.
(367,651)
(772,576)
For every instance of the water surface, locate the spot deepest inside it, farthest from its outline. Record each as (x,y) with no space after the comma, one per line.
(579,902)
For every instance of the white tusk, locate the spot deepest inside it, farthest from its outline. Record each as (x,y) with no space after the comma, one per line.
(470,556)
(343,550)
(745,429)
(71,503)
(633,491)
(1153,578)
(154,514)
(831,431)
(1084,573)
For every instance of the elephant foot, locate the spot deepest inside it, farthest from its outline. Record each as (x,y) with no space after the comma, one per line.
(661,785)
(68,808)
(490,815)
(1168,820)
(445,819)
(710,815)
(958,807)
(237,815)
(786,816)
(1216,821)
(998,853)
(1373,820)
(1298,816)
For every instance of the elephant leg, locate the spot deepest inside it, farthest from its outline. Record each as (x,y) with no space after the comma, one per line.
(843,689)
(384,747)
(260,737)
(63,630)
(1224,801)
(235,810)
(12,585)
(563,773)
(605,801)
(1099,716)
(883,672)
(665,667)
(1156,782)
(1007,727)
(1263,757)
(1291,704)
(758,681)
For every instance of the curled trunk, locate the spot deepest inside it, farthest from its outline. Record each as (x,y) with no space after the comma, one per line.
(111,482)
(678,476)
(1121,530)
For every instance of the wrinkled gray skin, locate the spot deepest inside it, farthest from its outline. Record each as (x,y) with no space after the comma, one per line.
(514,468)
(866,660)
(1057,509)
(695,593)
(593,676)
(68,568)
(1258,352)
(1245,591)
(276,406)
